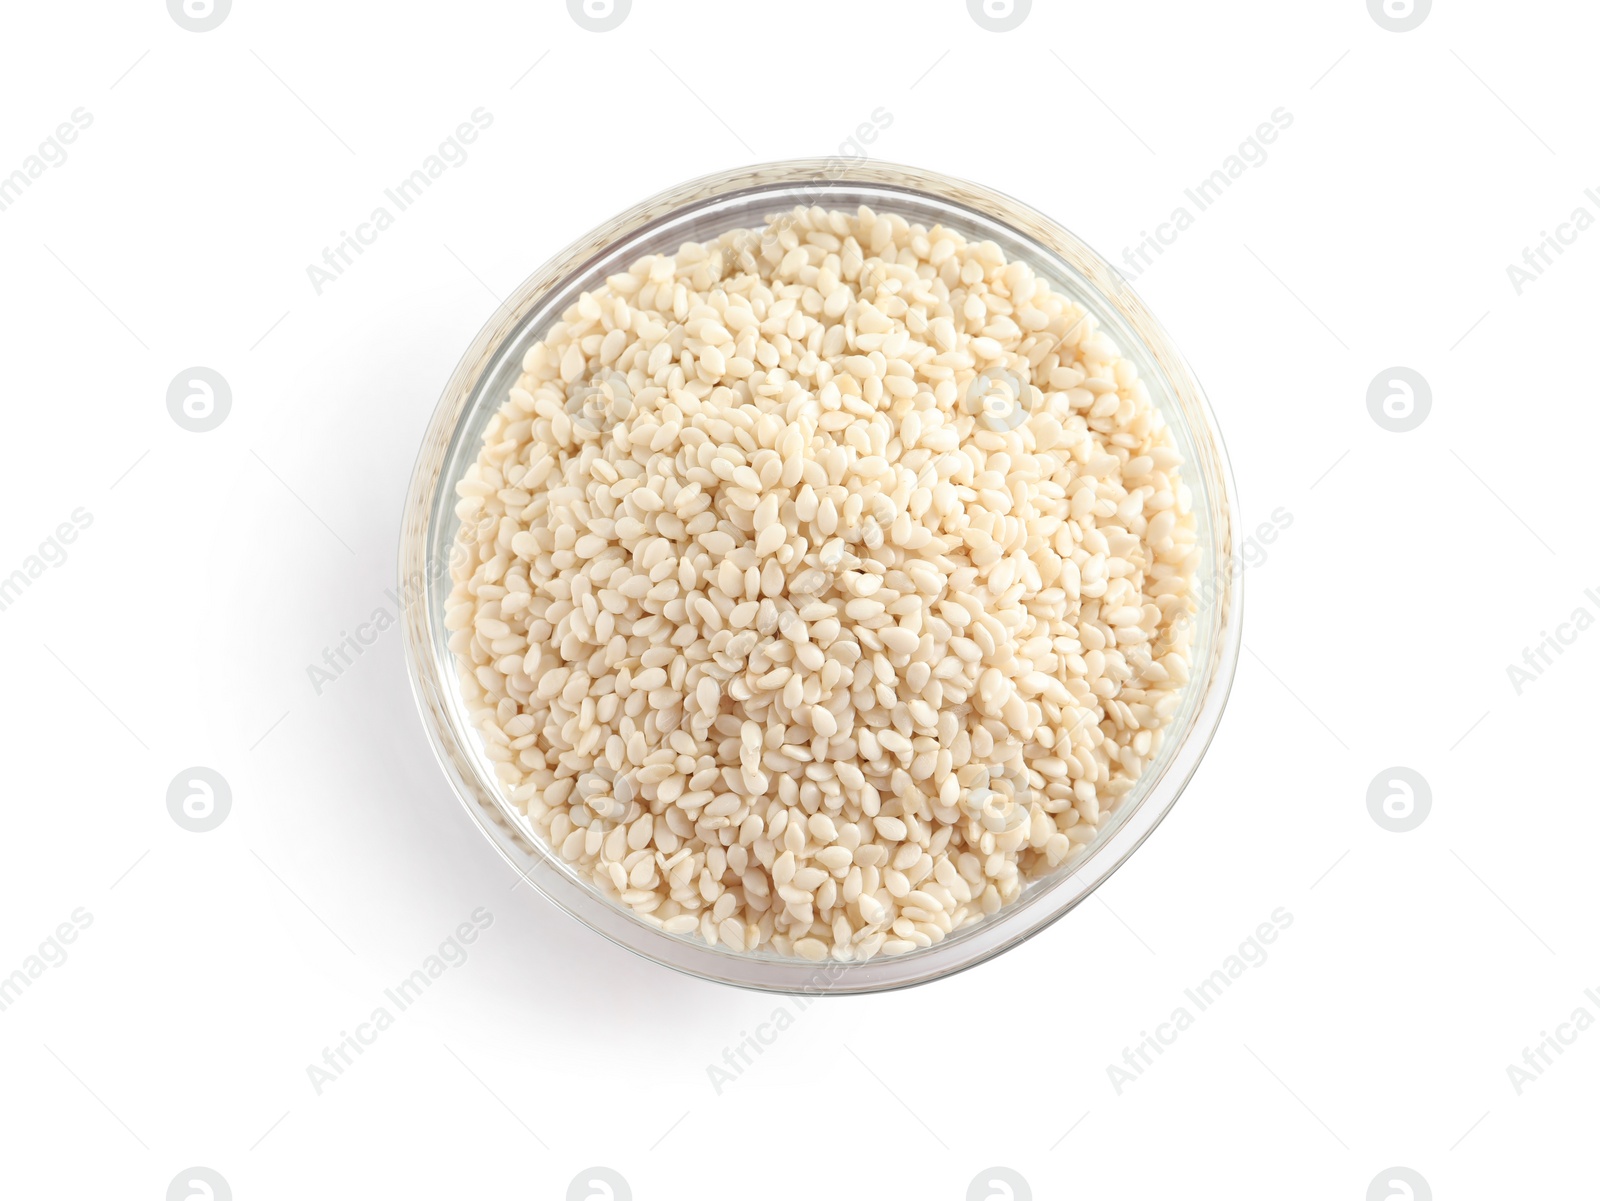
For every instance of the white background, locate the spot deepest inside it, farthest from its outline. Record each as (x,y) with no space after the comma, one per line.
(1418,565)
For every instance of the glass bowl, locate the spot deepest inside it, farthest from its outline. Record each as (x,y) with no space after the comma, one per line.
(698,211)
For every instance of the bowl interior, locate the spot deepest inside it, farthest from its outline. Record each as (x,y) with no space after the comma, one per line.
(748,200)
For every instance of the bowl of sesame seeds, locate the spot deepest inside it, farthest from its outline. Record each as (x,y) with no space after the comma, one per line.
(821,577)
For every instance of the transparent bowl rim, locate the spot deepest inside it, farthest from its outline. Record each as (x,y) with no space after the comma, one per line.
(433,679)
